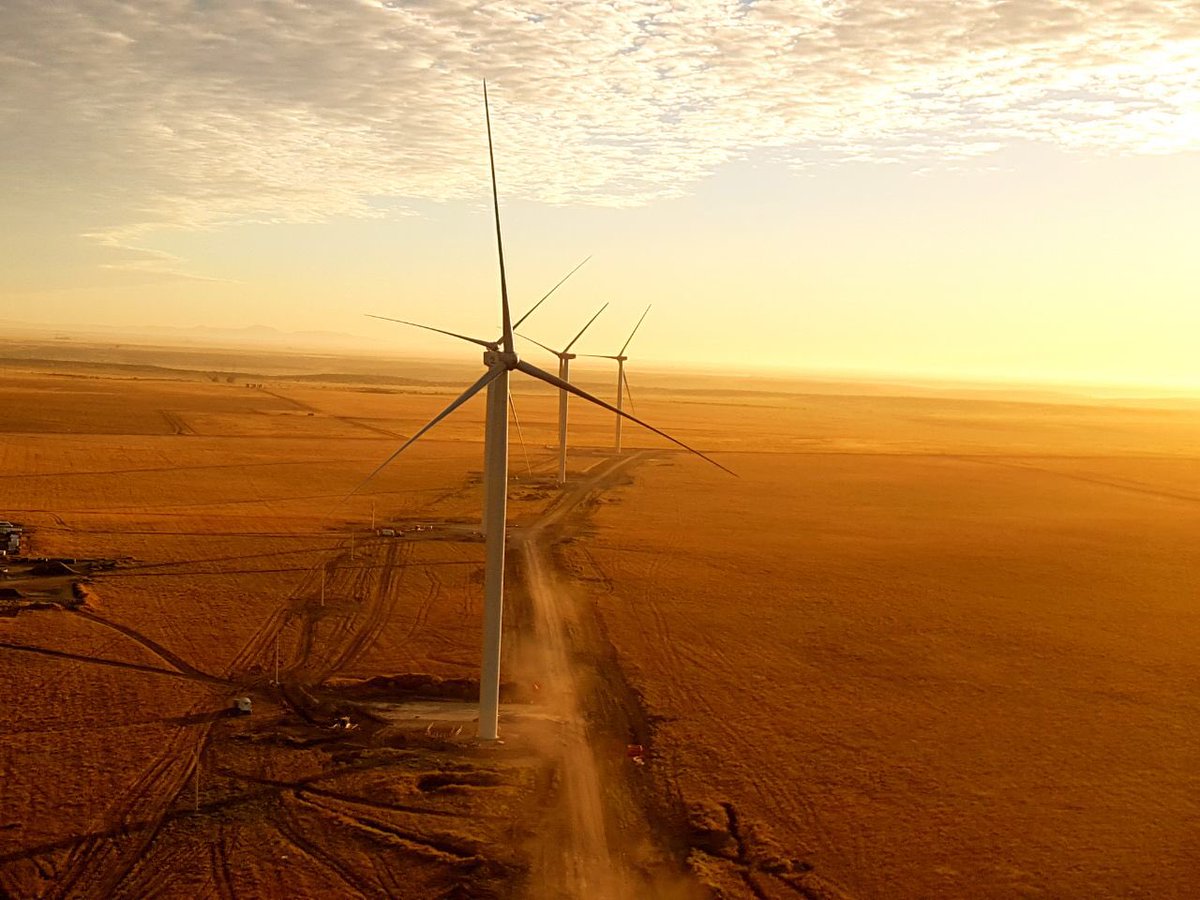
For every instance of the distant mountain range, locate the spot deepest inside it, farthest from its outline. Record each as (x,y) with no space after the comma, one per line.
(250,335)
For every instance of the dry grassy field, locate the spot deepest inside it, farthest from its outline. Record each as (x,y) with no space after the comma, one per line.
(223,507)
(958,659)
(931,642)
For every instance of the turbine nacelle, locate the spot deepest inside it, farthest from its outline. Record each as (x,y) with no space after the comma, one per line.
(495,358)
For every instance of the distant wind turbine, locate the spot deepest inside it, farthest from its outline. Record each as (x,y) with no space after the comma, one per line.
(500,358)
(622,381)
(564,371)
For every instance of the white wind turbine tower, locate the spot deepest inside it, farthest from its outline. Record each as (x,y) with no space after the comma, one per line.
(622,381)
(564,371)
(500,358)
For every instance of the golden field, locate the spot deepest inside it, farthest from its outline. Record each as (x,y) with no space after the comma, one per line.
(931,642)
(958,660)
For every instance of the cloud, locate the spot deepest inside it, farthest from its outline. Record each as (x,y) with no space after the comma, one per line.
(196,113)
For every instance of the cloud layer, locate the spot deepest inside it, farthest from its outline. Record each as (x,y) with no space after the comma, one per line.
(193,113)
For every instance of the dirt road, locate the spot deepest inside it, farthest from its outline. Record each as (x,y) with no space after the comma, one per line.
(589,851)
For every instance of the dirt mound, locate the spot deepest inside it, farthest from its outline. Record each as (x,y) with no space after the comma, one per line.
(83,594)
(418,685)
(52,567)
(411,684)
(456,780)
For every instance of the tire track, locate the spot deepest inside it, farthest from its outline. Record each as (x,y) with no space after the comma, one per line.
(380,603)
(289,830)
(219,856)
(177,425)
(139,568)
(421,616)
(91,473)
(257,646)
(343,628)
(444,849)
(146,880)
(308,789)
(153,646)
(313,410)
(1133,487)
(666,643)
(97,866)
(114,663)
(362,423)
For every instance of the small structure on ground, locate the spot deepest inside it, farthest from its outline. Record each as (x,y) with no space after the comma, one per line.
(10,538)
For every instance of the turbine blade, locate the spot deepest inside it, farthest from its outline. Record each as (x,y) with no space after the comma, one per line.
(461,337)
(628,392)
(507,337)
(520,434)
(489,376)
(571,389)
(595,356)
(635,331)
(585,328)
(545,297)
(539,343)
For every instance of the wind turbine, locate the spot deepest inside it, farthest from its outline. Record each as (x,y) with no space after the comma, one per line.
(564,370)
(622,381)
(499,359)
(493,345)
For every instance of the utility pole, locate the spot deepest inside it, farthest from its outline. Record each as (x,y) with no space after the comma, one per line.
(276,657)
(322,585)
(372,513)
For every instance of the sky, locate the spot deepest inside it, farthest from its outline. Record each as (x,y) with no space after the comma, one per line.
(957,188)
